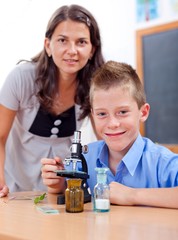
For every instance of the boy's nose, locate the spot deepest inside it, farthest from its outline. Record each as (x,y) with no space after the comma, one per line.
(113,122)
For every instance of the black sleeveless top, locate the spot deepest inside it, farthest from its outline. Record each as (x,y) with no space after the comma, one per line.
(48,125)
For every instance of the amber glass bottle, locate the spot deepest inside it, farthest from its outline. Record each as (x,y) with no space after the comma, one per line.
(74,196)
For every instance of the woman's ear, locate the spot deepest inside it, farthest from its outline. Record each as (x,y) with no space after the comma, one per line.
(47,46)
(92,53)
(144,111)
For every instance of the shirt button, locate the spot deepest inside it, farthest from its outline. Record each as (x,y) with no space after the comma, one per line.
(57,122)
(53,136)
(54,130)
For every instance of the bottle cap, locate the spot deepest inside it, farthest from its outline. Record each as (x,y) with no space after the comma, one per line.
(101,170)
(101,174)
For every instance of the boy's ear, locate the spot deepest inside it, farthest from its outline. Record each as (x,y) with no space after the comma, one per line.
(93,124)
(145,110)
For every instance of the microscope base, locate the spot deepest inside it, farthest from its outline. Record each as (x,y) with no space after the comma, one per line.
(72,174)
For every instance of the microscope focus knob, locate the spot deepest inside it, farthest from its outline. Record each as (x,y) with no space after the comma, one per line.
(85,149)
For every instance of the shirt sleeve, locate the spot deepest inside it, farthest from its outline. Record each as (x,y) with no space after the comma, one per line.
(169,171)
(18,87)
(10,94)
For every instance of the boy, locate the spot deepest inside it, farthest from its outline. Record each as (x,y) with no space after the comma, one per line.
(140,171)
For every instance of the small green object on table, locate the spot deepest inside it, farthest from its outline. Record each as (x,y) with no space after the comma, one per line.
(40,198)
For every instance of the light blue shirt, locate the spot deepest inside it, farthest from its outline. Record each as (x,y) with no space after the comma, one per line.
(146,165)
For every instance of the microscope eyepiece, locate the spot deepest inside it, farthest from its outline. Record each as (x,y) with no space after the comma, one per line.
(77,137)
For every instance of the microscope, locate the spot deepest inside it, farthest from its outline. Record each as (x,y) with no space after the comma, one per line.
(76,156)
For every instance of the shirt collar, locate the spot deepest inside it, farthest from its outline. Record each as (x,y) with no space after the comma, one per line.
(131,159)
(102,160)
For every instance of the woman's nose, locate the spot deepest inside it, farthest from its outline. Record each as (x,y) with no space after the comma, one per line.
(72,49)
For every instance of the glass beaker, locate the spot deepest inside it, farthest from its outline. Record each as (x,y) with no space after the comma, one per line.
(74,196)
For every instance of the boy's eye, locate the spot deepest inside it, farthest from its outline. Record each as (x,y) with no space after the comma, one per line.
(101,114)
(121,113)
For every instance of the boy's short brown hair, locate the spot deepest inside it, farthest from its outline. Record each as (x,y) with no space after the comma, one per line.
(114,74)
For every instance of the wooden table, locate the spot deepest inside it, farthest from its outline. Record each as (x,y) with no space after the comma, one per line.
(20,219)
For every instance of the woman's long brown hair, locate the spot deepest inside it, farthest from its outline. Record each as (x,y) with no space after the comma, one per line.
(47,72)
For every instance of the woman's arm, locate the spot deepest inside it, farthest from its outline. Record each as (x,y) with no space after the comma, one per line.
(157,197)
(6,119)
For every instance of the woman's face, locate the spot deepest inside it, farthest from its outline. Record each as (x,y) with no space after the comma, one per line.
(70,47)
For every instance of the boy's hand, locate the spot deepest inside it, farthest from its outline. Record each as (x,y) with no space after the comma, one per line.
(121,195)
(50,178)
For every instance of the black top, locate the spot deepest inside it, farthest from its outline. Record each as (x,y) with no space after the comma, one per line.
(48,125)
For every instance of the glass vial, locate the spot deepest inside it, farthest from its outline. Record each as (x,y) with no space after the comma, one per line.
(101,191)
(74,196)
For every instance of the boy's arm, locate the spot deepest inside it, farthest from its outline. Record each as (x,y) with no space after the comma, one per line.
(157,197)
(54,183)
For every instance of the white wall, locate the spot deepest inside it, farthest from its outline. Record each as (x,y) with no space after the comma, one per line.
(23,24)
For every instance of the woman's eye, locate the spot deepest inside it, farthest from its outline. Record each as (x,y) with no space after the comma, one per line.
(62,40)
(82,42)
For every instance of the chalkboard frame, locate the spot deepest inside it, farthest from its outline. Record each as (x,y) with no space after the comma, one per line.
(140,35)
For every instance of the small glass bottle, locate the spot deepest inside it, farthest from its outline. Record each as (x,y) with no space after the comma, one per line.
(101,191)
(74,196)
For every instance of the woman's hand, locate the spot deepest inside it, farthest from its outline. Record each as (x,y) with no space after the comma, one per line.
(4,190)
(54,183)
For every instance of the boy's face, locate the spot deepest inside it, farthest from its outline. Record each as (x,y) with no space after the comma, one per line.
(117,117)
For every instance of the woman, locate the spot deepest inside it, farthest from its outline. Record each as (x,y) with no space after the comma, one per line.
(45,100)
